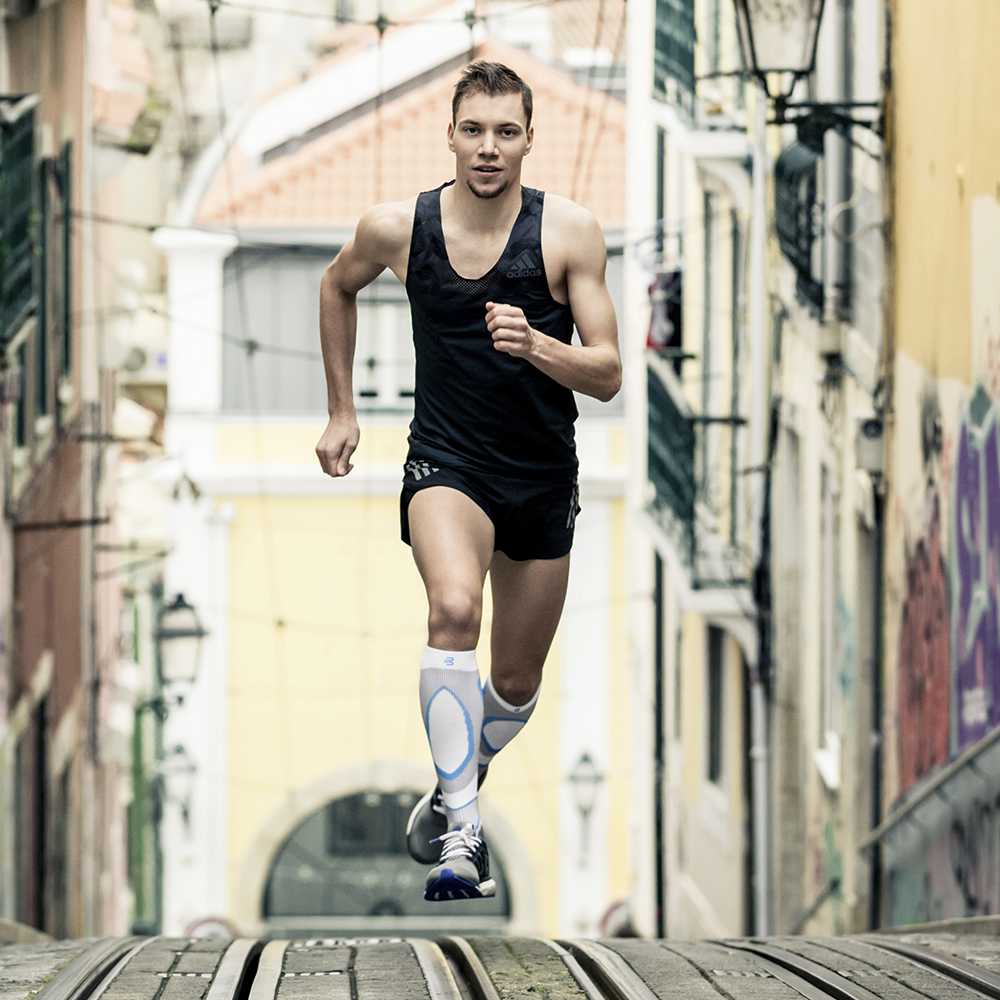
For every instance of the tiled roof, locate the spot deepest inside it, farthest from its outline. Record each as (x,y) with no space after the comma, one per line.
(121,78)
(331,180)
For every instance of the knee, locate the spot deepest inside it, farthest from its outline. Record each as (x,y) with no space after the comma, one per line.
(454,619)
(515,689)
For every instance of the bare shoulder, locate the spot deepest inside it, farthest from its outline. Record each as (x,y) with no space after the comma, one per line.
(575,231)
(384,229)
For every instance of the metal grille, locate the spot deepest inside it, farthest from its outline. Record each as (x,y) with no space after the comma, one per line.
(795,212)
(671,459)
(18,291)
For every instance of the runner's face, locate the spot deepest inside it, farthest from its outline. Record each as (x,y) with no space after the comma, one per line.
(489,140)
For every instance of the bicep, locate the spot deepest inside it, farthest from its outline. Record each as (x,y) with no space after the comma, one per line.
(365,256)
(589,298)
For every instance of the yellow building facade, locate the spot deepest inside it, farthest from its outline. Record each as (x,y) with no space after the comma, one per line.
(942,608)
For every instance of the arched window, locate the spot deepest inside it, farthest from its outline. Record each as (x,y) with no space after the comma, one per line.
(348,859)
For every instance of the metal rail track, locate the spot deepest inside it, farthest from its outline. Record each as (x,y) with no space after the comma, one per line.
(470,967)
(615,977)
(452,969)
(807,977)
(974,976)
(89,973)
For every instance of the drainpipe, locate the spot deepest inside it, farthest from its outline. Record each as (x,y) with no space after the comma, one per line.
(757,314)
(875,858)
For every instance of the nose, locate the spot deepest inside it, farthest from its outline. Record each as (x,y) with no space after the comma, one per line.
(487,145)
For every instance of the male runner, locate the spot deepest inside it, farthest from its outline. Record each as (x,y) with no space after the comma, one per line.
(490,479)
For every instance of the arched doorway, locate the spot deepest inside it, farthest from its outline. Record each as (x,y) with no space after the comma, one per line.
(346,865)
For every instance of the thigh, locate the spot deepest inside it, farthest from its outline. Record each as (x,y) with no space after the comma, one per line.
(451,537)
(528,598)
(537,520)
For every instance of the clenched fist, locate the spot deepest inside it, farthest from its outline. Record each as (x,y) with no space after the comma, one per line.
(337,444)
(511,331)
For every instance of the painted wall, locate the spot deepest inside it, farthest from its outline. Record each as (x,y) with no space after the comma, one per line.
(943,525)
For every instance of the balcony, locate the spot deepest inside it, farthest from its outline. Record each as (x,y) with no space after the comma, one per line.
(797,214)
(696,489)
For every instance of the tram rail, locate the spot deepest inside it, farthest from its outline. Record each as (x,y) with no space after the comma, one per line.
(862,967)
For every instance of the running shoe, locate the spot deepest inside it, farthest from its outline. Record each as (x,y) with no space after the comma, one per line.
(464,869)
(428,821)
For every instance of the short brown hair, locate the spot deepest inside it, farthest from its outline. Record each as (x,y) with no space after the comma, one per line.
(492,78)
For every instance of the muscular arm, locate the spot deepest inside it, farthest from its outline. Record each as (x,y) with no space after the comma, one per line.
(376,245)
(360,261)
(594,365)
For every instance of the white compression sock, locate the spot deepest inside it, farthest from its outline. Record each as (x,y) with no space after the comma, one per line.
(501,722)
(451,703)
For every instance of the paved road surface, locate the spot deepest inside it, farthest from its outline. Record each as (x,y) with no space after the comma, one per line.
(918,966)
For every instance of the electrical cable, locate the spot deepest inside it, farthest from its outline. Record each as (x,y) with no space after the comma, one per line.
(588,93)
(282,622)
(616,52)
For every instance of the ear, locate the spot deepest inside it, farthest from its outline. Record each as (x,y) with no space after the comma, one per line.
(451,136)
(531,138)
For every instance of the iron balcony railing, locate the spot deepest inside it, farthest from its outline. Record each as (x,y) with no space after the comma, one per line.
(796,209)
(18,287)
(692,463)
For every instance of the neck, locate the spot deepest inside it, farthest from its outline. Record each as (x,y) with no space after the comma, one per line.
(485,215)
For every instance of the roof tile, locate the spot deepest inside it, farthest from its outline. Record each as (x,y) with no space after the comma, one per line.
(330,181)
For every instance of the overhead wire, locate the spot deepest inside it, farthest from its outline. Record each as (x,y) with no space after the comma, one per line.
(252,350)
(585,114)
(616,52)
(506,11)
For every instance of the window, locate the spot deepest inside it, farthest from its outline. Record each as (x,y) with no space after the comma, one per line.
(272,296)
(18,284)
(714,36)
(796,210)
(707,314)
(673,57)
(716,693)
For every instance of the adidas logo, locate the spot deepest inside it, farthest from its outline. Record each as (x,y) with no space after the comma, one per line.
(523,266)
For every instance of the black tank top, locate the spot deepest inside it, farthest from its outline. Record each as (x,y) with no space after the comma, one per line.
(477,407)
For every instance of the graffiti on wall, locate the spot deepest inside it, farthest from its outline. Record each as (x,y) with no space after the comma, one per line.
(924,658)
(956,872)
(948,692)
(948,671)
(976,573)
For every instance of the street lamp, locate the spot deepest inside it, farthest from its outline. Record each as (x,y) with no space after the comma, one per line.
(179,623)
(778,41)
(585,780)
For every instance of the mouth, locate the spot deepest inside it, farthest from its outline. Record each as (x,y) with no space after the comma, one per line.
(486,171)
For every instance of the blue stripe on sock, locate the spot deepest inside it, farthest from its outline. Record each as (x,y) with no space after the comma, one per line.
(462,806)
(449,775)
(497,718)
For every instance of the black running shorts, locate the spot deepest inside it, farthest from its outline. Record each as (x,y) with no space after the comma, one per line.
(532,519)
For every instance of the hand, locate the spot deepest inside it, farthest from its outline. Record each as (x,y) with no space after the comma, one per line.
(510,329)
(338,443)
